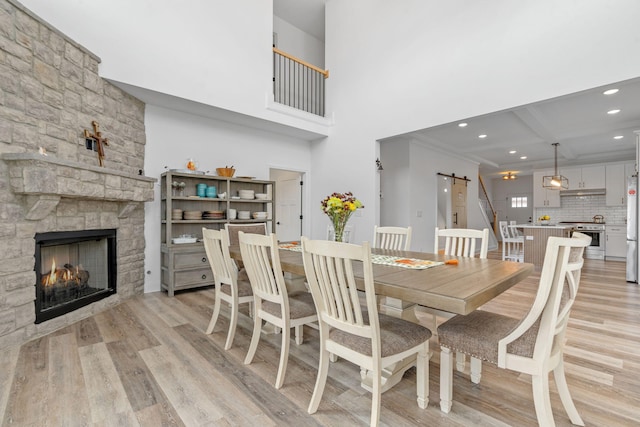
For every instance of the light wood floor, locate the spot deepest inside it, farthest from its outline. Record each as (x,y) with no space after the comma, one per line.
(147,362)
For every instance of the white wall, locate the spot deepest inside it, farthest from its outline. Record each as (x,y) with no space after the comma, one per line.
(298,43)
(405,65)
(173,137)
(213,52)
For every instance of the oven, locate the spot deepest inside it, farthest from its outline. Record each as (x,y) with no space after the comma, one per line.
(594,230)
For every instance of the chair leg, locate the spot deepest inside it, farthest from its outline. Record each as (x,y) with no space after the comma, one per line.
(503,249)
(565,396)
(541,399)
(284,356)
(232,325)
(460,361)
(214,315)
(323,370)
(299,334)
(255,337)
(376,394)
(422,376)
(446,379)
(476,370)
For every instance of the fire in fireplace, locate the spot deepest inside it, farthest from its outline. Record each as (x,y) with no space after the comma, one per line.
(73,269)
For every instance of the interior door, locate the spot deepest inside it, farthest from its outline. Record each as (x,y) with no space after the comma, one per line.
(288,204)
(519,208)
(459,203)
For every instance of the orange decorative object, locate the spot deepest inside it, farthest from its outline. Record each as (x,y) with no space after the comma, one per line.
(191,165)
(451,262)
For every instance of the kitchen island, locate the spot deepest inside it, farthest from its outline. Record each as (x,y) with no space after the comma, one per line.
(535,240)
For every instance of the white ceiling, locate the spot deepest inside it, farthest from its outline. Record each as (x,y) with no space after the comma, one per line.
(578,122)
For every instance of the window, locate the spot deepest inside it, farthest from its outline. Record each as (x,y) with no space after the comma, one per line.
(519,202)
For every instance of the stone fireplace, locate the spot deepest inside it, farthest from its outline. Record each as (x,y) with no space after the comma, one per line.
(52,185)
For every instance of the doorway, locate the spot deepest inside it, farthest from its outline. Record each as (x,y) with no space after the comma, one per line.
(452,202)
(519,208)
(459,203)
(288,200)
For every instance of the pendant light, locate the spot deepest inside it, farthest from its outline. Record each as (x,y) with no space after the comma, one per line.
(555,181)
(510,176)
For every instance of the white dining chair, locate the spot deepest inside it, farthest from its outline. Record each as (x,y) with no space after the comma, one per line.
(512,243)
(532,345)
(272,302)
(395,238)
(353,329)
(458,242)
(230,287)
(462,241)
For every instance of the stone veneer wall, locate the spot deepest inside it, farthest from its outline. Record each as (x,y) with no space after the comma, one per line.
(50,91)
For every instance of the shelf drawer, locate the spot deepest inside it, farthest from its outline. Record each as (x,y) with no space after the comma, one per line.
(187,278)
(183,260)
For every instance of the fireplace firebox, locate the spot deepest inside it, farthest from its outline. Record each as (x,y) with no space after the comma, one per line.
(73,269)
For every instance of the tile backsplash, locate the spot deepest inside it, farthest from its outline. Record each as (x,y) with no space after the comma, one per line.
(583,208)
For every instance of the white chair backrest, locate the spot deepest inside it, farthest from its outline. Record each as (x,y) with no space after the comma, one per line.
(233,229)
(513,231)
(261,259)
(504,230)
(216,245)
(462,241)
(549,313)
(329,269)
(396,238)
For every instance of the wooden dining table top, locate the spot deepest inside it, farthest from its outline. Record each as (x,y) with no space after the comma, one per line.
(458,289)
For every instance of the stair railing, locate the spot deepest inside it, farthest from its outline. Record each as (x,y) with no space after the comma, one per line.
(490,212)
(298,84)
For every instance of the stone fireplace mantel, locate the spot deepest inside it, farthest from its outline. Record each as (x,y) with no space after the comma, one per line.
(44,180)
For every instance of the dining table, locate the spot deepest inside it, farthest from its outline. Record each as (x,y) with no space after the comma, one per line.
(409,279)
(456,288)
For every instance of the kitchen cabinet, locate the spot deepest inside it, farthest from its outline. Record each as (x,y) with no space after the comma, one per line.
(543,198)
(616,242)
(616,176)
(586,177)
(185,265)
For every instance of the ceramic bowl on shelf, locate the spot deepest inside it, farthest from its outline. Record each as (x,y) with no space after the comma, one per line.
(261,196)
(246,194)
(259,215)
(244,215)
(184,239)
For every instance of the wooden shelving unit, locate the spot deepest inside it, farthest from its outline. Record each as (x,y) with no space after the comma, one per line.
(185,265)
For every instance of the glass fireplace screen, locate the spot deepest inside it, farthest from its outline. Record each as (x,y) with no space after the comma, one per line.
(73,269)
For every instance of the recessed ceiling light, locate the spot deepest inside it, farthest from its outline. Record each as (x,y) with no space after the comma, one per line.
(482,136)
(512,152)
(462,125)
(618,137)
(610,91)
(523,157)
(613,112)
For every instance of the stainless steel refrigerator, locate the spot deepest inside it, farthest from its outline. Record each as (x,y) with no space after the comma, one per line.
(632,229)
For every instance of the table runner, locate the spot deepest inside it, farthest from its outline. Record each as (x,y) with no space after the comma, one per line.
(394,261)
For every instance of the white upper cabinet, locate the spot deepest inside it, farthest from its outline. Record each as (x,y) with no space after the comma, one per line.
(543,198)
(586,177)
(617,183)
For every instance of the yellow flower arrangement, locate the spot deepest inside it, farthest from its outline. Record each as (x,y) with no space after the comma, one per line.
(339,207)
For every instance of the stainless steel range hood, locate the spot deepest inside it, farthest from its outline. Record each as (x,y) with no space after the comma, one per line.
(583,192)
